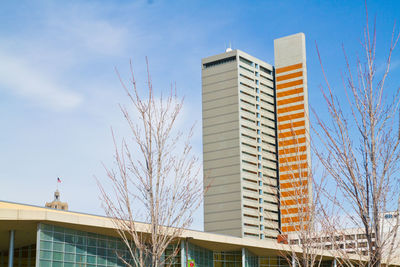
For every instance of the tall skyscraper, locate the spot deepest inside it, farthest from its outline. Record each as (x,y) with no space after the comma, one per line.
(293,131)
(251,114)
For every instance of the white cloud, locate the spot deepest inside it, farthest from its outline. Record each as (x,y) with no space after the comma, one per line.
(24,79)
(91,34)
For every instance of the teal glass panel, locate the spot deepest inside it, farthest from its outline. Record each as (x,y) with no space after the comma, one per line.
(69,231)
(69,239)
(81,240)
(46,255)
(58,256)
(58,246)
(111,244)
(80,258)
(92,235)
(58,229)
(57,264)
(111,261)
(69,257)
(46,245)
(102,243)
(91,259)
(44,263)
(69,264)
(46,236)
(70,248)
(111,253)
(91,251)
(81,249)
(101,260)
(120,245)
(102,252)
(92,242)
(58,237)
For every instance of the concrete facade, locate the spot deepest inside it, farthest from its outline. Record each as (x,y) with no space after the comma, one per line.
(239,146)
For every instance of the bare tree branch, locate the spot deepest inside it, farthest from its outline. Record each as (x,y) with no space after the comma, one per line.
(156,169)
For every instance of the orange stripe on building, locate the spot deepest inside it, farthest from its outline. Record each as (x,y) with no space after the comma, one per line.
(292,159)
(290,100)
(289,84)
(285,210)
(295,193)
(293,141)
(288,229)
(290,219)
(292,150)
(291,202)
(294,175)
(292,133)
(294,167)
(290,92)
(291,125)
(293,183)
(289,76)
(291,108)
(295,219)
(291,117)
(288,68)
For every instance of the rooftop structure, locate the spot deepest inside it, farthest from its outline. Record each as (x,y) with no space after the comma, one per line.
(56,203)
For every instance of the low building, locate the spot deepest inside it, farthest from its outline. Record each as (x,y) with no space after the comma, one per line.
(39,236)
(354,240)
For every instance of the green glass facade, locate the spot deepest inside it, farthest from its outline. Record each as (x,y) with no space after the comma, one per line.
(228,259)
(251,260)
(201,256)
(172,261)
(273,261)
(63,247)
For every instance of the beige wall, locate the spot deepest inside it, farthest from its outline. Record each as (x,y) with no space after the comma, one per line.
(221,154)
(231,93)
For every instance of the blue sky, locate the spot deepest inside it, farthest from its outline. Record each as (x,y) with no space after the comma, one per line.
(59,92)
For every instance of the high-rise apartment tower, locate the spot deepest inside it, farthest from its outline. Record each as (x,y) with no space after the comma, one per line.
(255,141)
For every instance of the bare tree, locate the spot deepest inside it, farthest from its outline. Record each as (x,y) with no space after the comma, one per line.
(361,152)
(157,170)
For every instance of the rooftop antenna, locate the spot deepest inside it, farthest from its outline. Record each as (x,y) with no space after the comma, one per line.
(229,49)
